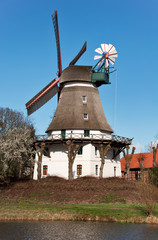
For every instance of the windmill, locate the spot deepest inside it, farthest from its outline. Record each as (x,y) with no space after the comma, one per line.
(79,118)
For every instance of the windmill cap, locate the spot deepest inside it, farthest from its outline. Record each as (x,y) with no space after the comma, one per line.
(76,73)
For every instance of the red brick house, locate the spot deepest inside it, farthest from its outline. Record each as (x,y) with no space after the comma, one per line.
(135,167)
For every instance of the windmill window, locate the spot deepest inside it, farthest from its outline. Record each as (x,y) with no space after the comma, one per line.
(86,133)
(96,170)
(85,116)
(80,151)
(84,99)
(45,169)
(79,170)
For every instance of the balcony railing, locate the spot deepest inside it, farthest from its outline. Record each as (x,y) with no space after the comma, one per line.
(81,136)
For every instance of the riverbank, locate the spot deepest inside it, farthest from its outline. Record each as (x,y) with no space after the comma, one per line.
(124,213)
(87,199)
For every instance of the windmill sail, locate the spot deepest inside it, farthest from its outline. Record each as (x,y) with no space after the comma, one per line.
(56,30)
(42,97)
(83,49)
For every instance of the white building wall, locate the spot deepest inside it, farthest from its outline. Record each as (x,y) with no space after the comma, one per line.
(58,162)
(84,160)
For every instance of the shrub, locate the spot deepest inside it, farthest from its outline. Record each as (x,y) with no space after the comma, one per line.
(153,176)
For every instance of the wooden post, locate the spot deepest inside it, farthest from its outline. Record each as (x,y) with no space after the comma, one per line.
(39,154)
(71,156)
(128,158)
(103,151)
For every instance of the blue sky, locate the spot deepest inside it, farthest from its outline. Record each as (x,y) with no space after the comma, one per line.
(28,58)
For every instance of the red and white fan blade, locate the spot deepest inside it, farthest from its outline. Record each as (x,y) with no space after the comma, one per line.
(113,55)
(98,50)
(105,47)
(111,48)
(97,57)
(112,51)
(111,60)
(106,63)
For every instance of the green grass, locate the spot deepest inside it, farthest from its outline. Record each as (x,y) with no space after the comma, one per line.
(113,212)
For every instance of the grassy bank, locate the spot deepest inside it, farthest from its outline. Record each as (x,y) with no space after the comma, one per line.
(53,198)
(133,213)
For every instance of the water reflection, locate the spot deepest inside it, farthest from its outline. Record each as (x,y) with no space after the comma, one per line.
(76,231)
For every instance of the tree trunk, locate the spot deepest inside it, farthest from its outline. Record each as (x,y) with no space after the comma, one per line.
(141,158)
(20,170)
(39,167)
(39,154)
(128,158)
(70,170)
(154,155)
(101,168)
(71,157)
(103,152)
(128,171)
(31,168)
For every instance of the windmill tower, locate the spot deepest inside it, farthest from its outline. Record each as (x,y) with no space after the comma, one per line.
(79,139)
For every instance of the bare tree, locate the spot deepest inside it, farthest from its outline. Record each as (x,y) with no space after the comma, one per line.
(149,147)
(128,158)
(11,120)
(103,151)
(154,155)
(141,158)
(72,151)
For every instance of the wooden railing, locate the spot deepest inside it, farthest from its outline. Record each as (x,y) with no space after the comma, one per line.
(81,136)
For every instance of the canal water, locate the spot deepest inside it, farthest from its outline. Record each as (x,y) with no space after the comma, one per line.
(44,230)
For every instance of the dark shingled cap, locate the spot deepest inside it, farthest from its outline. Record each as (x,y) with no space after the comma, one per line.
(76,73)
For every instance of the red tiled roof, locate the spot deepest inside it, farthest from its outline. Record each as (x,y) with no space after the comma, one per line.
(148,161)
